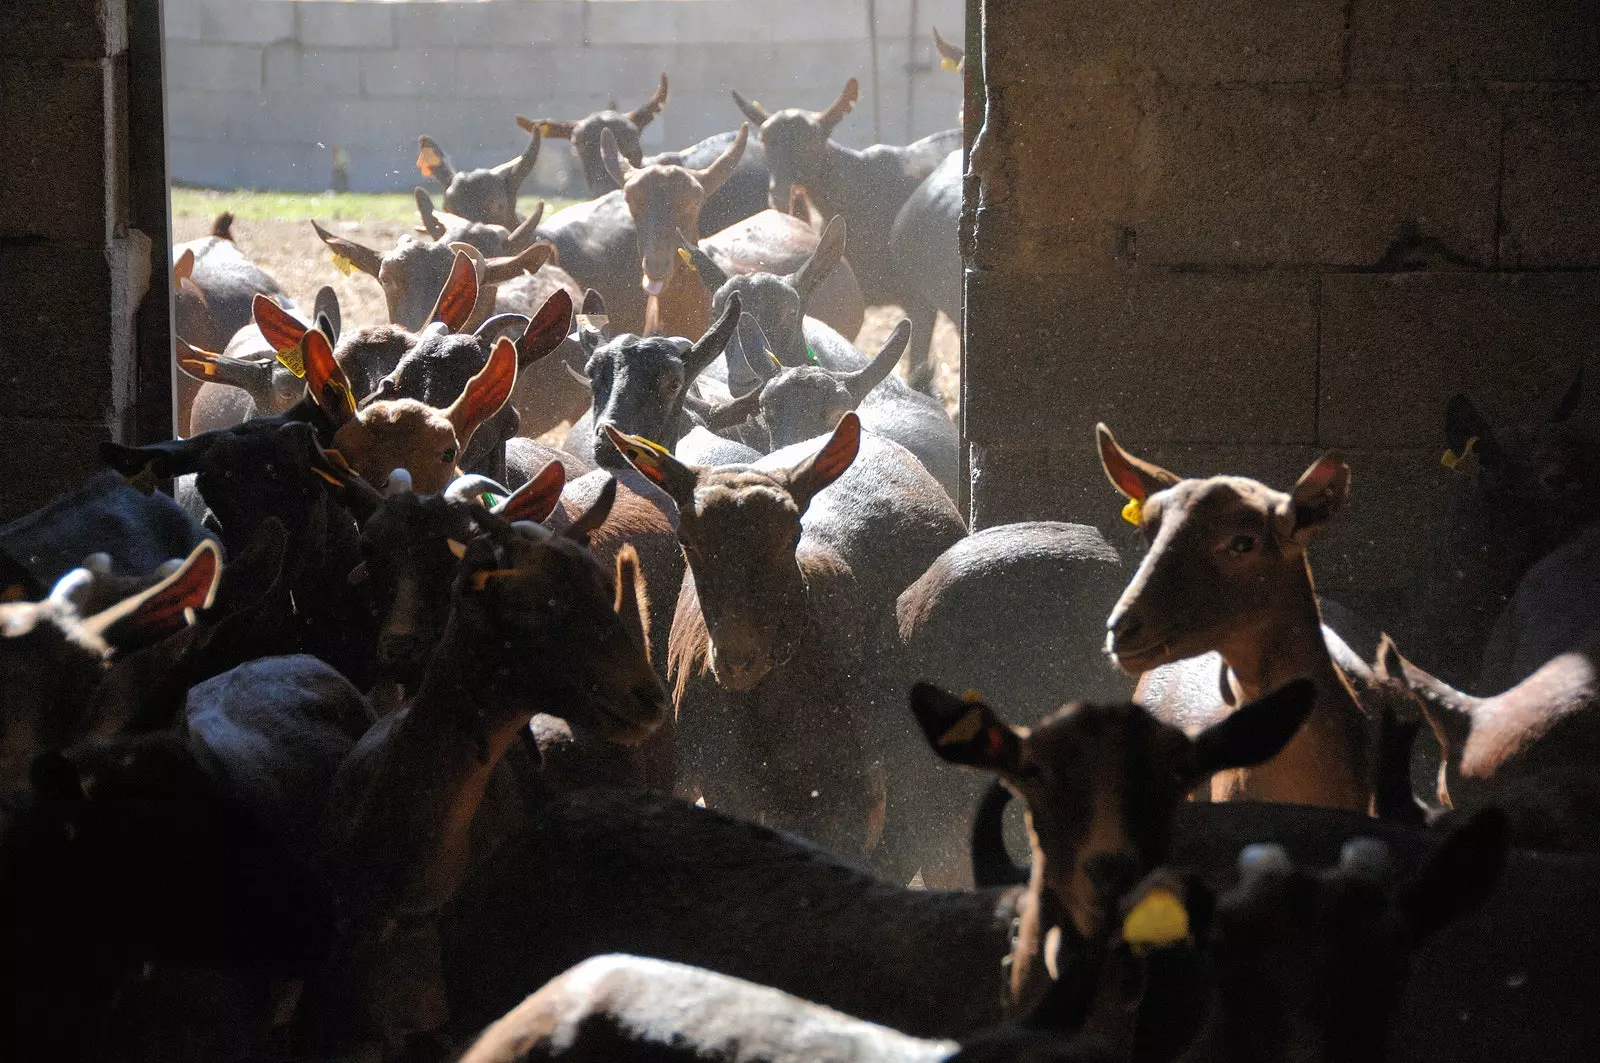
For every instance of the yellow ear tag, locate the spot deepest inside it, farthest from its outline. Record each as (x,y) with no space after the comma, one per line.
(544,129)
(294,360)
(1158,920)
(683,253)
(639,449)
(1133,512)
(949,64)
(1452,461)
(343,264)
(143,481)
(964,729)
(427,161)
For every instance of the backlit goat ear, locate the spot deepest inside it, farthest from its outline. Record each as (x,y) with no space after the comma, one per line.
(965,730)
(165,608)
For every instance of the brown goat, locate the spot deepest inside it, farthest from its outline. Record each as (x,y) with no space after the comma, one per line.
(1227,571)
(1101,784)
(1531,751)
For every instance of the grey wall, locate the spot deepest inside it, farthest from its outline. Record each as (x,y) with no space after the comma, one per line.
(260,91)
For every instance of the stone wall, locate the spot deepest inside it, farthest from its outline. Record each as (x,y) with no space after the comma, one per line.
(1244,232)
(80,235)
(260,91)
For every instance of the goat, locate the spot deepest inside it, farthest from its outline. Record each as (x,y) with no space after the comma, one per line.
(1530,751)
(55,658)
(487,195)
(536,625)
(1359,925)
(744,193)
(924,244)
(780,306)
(1555,609)
(867,188)
(1227,571)
(1532,488)
(792,564)
(665,203)
(639,385)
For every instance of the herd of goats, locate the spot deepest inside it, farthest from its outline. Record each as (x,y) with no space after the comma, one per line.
(393,733)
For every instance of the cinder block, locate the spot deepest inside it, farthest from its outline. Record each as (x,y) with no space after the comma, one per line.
(255,22)
(485,24)
(208,67)
(1176,358)
(334,72)
(1301,177)
(54,183)
(53,351)
(1494,40)
(201,162)
(180,20)
(1081,42)
(1396,347)
(1550,214)
(64,29)
(346,24)
(409,72)
(74,454)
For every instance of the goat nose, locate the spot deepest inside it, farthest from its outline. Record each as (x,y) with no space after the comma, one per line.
(1111,874)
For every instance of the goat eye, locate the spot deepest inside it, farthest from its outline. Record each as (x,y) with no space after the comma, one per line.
(449,456)
(1241,544)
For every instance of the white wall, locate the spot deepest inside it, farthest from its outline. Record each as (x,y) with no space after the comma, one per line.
(260,91)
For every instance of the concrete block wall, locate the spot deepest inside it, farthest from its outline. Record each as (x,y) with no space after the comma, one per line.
(74,266)
(1243,233)
(260,91)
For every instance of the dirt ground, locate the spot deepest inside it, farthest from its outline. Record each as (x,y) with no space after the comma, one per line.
(292,254)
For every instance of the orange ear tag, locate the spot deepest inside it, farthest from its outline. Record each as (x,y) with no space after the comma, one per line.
(1133,512)
(427,161)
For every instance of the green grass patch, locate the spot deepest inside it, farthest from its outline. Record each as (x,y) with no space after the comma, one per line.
(396,207)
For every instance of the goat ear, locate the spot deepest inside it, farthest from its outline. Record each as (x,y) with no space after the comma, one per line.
(657,465)
(951,57)
(1318,495)
(165,608)
(459,295)
(325,307)
(358,255)
(701,264)
(840,107)
(965,730)
(547,127)
(617,168)
(488,390)
(1569,399)
(205,365)
(172,457)
(1255,732)
(830,249)
(1465,427)
(183,269)
(1458,876)
(281,329)
(641,117)
(827,464)
(1135,478)
(752,108)
(535,500)
(547,330)
(633,598)
(430,221)
(222,226)
(587,522)
(329,387)
(433,162)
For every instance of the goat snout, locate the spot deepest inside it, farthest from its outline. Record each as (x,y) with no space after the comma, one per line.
(1111,875)
(741,669)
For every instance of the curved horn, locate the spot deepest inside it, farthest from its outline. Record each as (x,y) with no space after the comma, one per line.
(525,234)
(991,865)
(841,107)
(595,515)
(617,168)
(824,258)
(708,346)
(529,260)
(701,264)
(517,170)
(467,488)
(860,382)
(738,411)
(430,221)
(712,177)
(501,325)
(363,258)
(652,107)
(752,108)
(577,377)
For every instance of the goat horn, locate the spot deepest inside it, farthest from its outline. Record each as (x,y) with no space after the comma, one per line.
(467,488)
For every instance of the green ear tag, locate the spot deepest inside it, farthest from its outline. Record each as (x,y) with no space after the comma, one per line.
(489,500)
(811,356)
